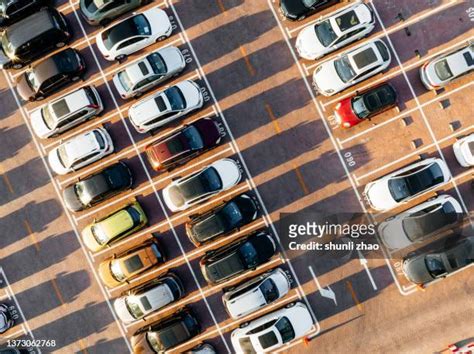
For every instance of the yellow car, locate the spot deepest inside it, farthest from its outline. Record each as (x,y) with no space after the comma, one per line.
(118,224)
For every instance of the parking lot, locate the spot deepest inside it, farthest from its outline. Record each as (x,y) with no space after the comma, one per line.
(293,158)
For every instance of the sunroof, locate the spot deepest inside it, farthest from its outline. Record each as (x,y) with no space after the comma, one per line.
(347,21)
(364,58)
(60,108)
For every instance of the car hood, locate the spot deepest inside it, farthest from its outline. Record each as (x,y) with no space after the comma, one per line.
(89,239)
(106,275)
(55,164)
(228,171)
(159,20)
(169,201)
(327,78)
(71,199)
(416,271)
(24,90)
(122,311)
(379,195)
(173,58)
(192,93)
(300,319)
(38,125)
(392,234)
(293,8)
(308,43)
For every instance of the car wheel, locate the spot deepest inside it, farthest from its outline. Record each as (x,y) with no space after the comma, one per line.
(302,17)
(39,98)
(291,304)
(60,44)
(138,95)
(105,22)
(121,58)
(227,289)
(75,78)
(243,325)
(161,38)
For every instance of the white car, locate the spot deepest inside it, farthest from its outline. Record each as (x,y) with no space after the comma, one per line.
(351,67)
(133,34)
(199,186)
(442,70)
(80,151)
(166,106)
(464,150)
(267,333)
(420,222)
(335,31)
(143,75)
(66,112)
(256,293)
(407,183)
(149,297)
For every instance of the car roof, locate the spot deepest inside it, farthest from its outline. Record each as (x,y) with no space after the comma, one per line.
(30,27)
(72,102)
(48,67)
(460,61)
(139,70)
(81,145)
(117,222)
(365,57)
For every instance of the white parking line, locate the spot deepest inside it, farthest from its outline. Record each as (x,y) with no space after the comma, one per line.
(331,137)
(404,113)
(422,112)
(20,332)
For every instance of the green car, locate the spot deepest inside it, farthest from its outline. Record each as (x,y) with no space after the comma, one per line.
(116,225)
(102,12)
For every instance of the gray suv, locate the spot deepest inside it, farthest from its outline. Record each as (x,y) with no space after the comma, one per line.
(102,12)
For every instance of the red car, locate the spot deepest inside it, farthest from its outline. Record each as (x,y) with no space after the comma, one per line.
(353,110)
(185,144)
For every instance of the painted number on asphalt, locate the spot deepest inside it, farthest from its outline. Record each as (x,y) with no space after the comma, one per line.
(349,159)
(398,267)
(332,121)
(205,94)
(187,56)
(173,23)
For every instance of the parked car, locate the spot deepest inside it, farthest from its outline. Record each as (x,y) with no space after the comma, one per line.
(183,145)
(129,264)
(464,150)
(114,226)
(32,37)
(269,332)
(149,297)
(144,74)
(80,151)
(199,186)
(223,219)
(6,318)
(133,34)
(98,187)
(300,9)
(237,257)
(12,11)
(166,334)
(50,75)
(364,105)
(100,12)
(447,67)
(166,106)
(256,293)
(420,222)
(66,112)
(424,268)
(203,348)
(406,183)
(334,31)
(351,67)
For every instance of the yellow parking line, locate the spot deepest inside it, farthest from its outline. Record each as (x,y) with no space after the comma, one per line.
(58,292)
(250,68)
(301,179)
(31,234)
(354,296)
(273,118)
(222,7)
(83,346)
(7,181)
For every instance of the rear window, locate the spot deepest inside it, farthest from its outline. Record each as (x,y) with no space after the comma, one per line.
(91,96)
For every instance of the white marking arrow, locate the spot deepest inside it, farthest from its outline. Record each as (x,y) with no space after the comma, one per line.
(364,262)
(328,293)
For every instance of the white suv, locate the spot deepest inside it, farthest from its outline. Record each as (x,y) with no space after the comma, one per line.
(464,150)
(80,151)
(256,293)
(66,112)
(351,67)
(166,106)
(143,75)
(335,31)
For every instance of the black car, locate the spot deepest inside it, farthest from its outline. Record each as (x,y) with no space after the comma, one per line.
(98,187)
(32,37)
(6,318)
(424,268)
(166,334)
(53,73)
(223,219)
(299,9)
(12,11)
(237,257)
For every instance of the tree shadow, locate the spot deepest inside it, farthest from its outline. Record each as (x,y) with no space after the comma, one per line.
(13,140)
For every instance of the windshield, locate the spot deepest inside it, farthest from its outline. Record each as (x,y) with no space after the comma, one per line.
(100,139)
(157,63)
(62,156)
(435,265)
(246,345)
(231,214)
(211,180)
(6,44)
(125,80)
(47,117)
(176,98)
(153,342)
(99,234)
(143,27)
(193,138)
(358,106)
(269,290)
(133,306)
(79,190)
(442,70)
(116,271)
(325,33)
(31,80)
(344,69)
(248,254)
(286,329)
